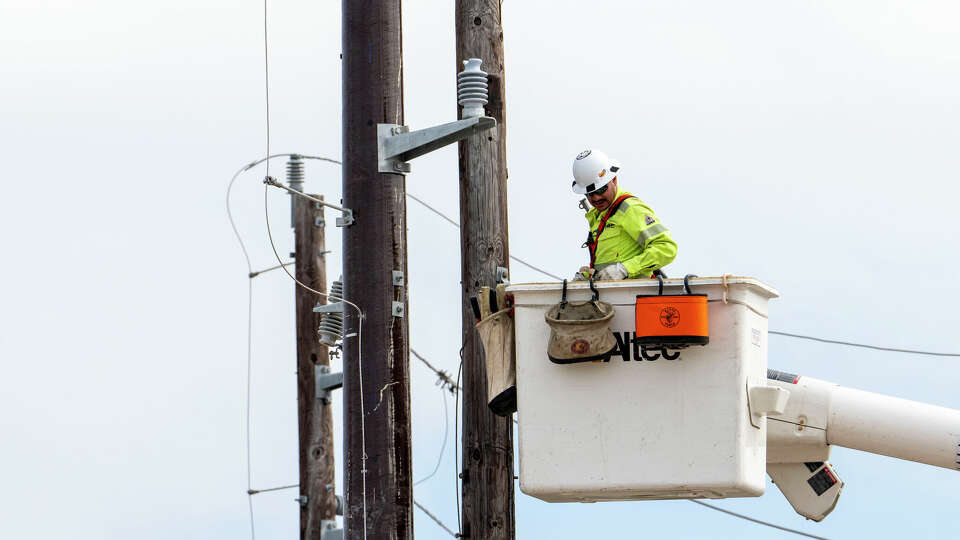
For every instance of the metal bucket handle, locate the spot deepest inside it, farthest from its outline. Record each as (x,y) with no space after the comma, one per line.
(594,300)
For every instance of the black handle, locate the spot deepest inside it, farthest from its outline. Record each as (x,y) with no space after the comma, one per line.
(660,289)
(476,307)
(686,282)
(493,301)
(563,297)
(596,293)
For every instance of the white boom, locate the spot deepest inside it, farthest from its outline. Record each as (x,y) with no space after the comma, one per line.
(820,414)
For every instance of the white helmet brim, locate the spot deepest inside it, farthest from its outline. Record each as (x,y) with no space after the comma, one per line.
(604,177)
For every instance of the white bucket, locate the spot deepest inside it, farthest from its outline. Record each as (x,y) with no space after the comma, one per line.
(633,428)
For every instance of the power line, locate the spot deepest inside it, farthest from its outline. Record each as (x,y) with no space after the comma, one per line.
(748,518)
(456,445)
(435,211)
(822,340)
(255,491)
(266,84)
(443,445)
(420,506)
(443,378)
(266,77)
(457,225)
(875,347)
(865,346)
(433,517)
(251,274)
(432,209)
(265,270)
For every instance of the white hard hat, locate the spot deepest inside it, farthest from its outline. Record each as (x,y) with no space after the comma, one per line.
(592,170)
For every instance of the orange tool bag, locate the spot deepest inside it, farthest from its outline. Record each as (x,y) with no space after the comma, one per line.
(672,321)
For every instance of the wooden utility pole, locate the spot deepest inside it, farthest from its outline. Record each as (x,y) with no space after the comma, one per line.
(374,247)
(315,417)
(487,477)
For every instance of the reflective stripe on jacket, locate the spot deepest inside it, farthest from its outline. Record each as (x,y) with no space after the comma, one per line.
(633,237)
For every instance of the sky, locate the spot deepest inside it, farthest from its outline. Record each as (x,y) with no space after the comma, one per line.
(812,145)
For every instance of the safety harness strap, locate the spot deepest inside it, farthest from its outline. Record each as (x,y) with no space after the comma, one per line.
(594,239)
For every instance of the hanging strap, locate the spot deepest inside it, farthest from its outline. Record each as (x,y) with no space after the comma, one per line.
(594,239)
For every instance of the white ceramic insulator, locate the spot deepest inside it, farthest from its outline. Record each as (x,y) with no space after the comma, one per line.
(331,324)
(472,88)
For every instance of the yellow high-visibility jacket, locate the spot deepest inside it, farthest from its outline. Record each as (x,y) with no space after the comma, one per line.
(633,236)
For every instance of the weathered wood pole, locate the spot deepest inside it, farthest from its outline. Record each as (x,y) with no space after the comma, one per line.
(487,477)
(315,417)
(373,247)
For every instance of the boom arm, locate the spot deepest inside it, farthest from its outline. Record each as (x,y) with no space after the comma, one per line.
(820,414)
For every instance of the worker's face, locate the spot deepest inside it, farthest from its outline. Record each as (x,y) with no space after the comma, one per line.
(601,201)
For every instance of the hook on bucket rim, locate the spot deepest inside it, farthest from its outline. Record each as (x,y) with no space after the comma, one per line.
(686,282)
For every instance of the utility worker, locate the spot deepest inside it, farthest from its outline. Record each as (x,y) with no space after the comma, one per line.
(626,240)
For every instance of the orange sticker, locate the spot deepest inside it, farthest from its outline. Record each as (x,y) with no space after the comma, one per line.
(580,346)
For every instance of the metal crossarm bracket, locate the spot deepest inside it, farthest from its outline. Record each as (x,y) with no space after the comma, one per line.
(329,530)
(396,145)
(325,382)
(347,219)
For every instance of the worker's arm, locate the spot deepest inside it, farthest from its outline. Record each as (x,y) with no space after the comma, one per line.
(658,247)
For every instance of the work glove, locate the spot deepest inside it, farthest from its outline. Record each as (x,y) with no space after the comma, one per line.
(613,271)
(583,273)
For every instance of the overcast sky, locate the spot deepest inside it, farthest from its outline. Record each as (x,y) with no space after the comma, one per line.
(810,144)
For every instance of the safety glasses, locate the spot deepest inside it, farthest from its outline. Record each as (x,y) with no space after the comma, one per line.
(599,191)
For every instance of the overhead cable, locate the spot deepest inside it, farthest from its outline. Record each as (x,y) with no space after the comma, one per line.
(255,491)
(265,270)
(847,343)
(271,181)
(251,274)
(865,346)
(443,445)
(748,518)
(266,86)
(266,77)
(433,517)
(457,225)
(443,378)
(417,199)
(456,444)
